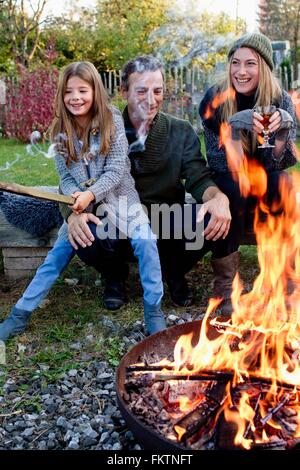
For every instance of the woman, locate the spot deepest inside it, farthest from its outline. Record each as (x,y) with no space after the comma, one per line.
(250,84)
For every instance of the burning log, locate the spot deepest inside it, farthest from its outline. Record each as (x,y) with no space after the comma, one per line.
(256,409)
(216,375)
(189,424)
(36,193)
(147,367)
(275,409)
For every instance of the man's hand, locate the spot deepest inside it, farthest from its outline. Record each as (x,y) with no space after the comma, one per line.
(217,205)
(79,231)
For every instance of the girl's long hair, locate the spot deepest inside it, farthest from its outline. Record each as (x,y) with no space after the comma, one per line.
(268,92)
(100,119)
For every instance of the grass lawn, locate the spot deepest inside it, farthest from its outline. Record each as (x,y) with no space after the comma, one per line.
(28,169)
(35,169)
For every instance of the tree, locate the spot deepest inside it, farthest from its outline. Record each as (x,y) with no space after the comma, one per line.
(280,21)
(5,50)
(72,36)
(21,27)
(123,28)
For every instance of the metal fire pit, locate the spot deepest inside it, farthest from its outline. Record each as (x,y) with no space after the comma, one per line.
(162,344)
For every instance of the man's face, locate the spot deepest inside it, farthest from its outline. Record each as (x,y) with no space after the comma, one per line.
(144,95)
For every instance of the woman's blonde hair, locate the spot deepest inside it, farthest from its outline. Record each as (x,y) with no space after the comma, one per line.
(100,120)
(268,92)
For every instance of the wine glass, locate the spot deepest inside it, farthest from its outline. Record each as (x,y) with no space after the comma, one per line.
(266,112)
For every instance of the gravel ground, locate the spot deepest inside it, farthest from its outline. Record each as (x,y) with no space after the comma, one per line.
(78,411)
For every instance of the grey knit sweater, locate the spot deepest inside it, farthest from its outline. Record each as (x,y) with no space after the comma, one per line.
(113,181)
(215,151)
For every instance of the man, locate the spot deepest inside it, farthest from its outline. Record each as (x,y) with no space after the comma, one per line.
(163,151)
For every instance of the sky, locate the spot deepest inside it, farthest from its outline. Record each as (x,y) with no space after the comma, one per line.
(247,9)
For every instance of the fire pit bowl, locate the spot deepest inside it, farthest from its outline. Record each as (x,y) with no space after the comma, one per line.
(162,344)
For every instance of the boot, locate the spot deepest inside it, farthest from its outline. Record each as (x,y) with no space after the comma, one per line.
(14,324)
(180,293)
(114,295)
(224,270)
(154,318)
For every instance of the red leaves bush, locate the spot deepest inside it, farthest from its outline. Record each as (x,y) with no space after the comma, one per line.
(30,100)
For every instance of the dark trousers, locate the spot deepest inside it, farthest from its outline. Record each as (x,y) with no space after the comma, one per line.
(110,257)
(242,209)
(107,256)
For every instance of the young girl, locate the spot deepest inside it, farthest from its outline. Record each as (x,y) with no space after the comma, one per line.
(93,166)
(250,83)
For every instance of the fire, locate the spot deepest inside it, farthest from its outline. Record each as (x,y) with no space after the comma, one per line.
(219,99)
(264,330)
(261,342)
(296,102)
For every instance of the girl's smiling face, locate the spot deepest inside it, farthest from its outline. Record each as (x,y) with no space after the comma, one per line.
(244,71)
(78,98)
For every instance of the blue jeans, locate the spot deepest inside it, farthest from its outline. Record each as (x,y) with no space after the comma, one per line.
(55,262)
(102,255)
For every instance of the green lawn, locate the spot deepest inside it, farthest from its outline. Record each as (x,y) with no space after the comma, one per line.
(29,169)
(36,169)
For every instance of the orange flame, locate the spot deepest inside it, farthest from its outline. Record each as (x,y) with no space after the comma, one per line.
(219,99)
(265,322)
(296,102)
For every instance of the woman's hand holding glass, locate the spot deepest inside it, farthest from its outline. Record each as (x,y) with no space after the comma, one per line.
(266,119)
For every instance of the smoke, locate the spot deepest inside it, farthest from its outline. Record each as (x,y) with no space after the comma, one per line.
(188,44)
(189,34)
(8,165)
(35,148)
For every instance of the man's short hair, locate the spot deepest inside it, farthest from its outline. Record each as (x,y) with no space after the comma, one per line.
(140,64)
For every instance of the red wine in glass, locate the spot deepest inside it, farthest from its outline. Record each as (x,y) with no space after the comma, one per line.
(266,112)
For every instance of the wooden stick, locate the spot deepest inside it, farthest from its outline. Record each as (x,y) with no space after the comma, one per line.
(223,377)
(36,193)
(274,410)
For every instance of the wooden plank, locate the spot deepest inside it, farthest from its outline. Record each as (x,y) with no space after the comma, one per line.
(25,252)
(11,236)
(23,263)
(14,274)
(36,193)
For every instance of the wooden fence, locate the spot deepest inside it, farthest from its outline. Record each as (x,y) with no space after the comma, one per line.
(184,89)
(186,86)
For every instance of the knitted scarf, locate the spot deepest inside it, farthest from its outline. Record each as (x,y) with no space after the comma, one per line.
(153,157)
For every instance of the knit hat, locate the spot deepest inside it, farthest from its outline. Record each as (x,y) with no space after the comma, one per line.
(259,43)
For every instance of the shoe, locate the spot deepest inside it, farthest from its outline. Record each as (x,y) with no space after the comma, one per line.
(180,293)
(114,295)
(154,318)
(224,270)
(14,324)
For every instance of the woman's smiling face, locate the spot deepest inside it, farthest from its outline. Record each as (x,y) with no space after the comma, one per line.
(244,71)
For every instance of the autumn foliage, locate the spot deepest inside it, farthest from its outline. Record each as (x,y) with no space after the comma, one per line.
(29,104)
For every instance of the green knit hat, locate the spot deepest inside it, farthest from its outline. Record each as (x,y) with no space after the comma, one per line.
(259,43)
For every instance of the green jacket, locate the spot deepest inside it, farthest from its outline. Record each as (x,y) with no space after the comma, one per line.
(171,162)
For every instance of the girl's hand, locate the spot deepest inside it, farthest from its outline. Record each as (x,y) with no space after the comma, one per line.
(83,199)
